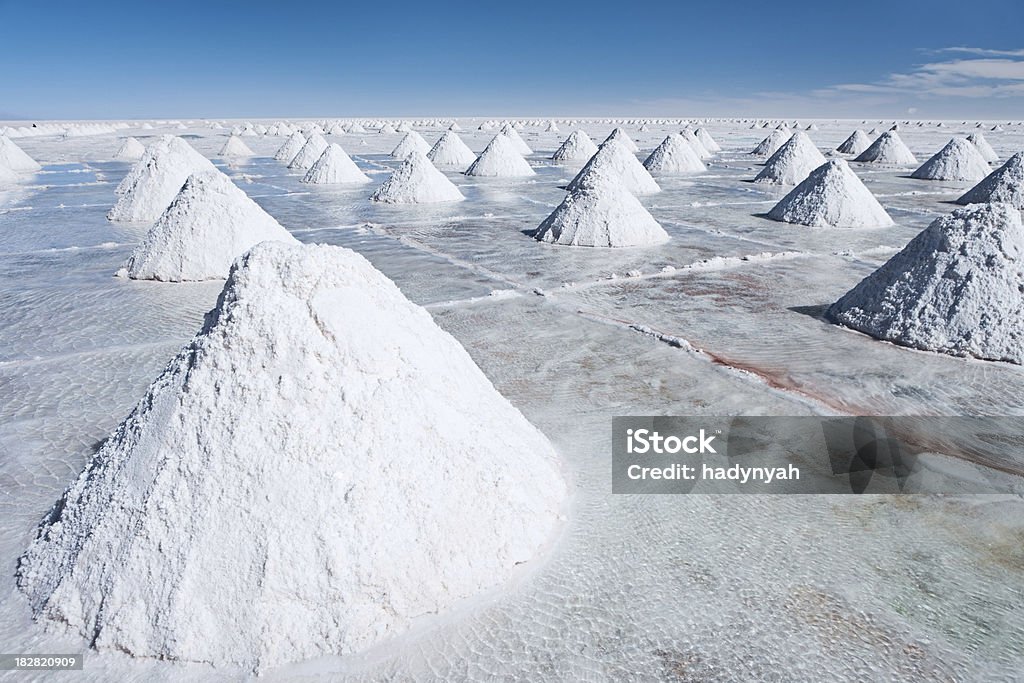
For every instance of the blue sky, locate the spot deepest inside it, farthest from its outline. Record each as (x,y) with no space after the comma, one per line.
(398,58)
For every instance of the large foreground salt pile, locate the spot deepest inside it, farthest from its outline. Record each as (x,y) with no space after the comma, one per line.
(958,288)
(156,178)
(623,137)
(577,147)
(985,149)
(315,146)
(832,196)
(1005,184)
(450,150)
(601,213)
(698,147)
(770,145)
(15,158)
(615,162)
(674,156)
(792,162)
(500,160)
(8,176)
(208,225)
(520,145)
(236,147)
(318,467)
(959,160)
(888,149)
(291,147)
(416,181)
(412,141)
(855,144)
(130,150)
(334,167)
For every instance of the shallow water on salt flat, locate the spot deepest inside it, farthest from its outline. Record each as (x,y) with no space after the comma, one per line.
(693,588)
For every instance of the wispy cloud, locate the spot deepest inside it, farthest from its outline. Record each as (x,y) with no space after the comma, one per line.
(978,51)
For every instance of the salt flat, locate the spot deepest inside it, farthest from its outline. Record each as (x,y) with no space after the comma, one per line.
(784,588)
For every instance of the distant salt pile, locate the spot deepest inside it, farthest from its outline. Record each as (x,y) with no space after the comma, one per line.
(334,167)
(455,127)
(208,225)
(15,158)
(577,147)
(601,213)
(985,149)
(236,147)
(273,473)
(957,288)
(387,129)
(771,144)
(130,150)
(412,142)
(623,137)
(1005,184)
(292,146)
(310,152)
(832,196)
(855,144)
(403,127)
(450,150)
(614,162)
(551,127)
(512,134)
(709,142)
(151,185)
(959,160)
(416,181)
(356,129)
(792,162)
(500,160)
(674,156)
(888,150)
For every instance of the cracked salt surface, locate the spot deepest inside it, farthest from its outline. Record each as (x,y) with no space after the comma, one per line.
(729,588)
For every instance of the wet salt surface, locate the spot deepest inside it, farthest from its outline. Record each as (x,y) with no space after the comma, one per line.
(693,588)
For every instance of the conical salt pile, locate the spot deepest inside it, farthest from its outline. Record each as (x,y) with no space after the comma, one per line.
(292,146)
(403,127)
(958,288)
(8,176)
(709,142)
(698,146)
(601,214)
(334,167)
(959,160)
(412,141)
(236,147)
(832,196)
(517,141)
(855,144)
(130,150)
(577,147)
(310,152)
(318,467)
(1005,184)
(674,156)
(551,127)
(209,224)
(623,137)
(500,160)
(985,149)
(417,182)
(889,150)
(151,185)
(771,144)
(455,127)
(616,163)
(450,150)
(14,157)
(792,162)
(387,129)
